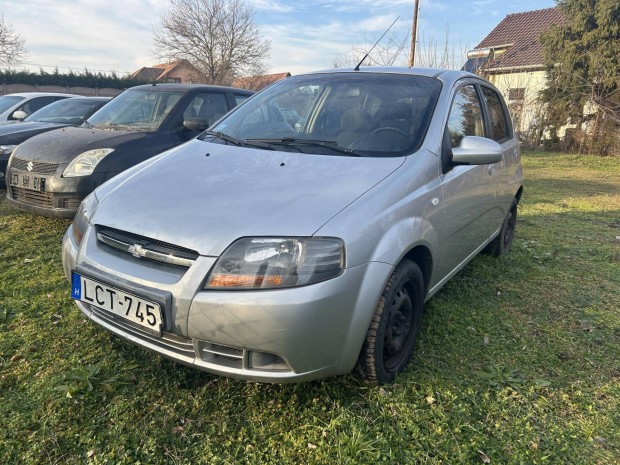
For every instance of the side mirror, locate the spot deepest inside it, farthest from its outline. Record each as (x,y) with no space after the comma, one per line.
(195,124)
(19,115)
(476,150)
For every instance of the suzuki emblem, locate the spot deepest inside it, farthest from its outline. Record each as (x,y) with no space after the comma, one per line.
(30,166)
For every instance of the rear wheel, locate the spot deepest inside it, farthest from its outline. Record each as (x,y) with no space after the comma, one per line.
(503,242)
(395,325)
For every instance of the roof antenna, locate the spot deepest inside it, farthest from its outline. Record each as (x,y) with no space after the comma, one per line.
(357,68)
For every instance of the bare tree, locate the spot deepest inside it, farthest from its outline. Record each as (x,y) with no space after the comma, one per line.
(218,37)
(12,46)
(387,52)
(432,53)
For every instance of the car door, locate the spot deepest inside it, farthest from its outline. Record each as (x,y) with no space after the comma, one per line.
(205,108)
(469,192)
(501,131)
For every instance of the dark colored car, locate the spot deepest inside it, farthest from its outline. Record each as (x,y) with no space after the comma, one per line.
(51,173)
(66,112)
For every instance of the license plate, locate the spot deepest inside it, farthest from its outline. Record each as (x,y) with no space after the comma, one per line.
(129,306)
(28,181)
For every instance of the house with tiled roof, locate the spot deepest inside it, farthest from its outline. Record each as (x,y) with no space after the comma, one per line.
(179,71)
(511,57)
(258,82)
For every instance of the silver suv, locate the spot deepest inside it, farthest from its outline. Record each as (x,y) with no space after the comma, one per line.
(300,236)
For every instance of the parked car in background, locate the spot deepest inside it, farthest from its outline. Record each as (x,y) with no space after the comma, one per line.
(276,250)
(51,173)
(19,106)
(65,112)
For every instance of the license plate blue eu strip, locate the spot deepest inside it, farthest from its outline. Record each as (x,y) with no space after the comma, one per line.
(76,281)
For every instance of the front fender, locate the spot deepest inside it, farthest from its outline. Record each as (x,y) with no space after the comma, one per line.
(402,237)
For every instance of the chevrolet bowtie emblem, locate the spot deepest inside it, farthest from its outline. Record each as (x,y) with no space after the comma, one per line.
(30,166)
(137,250)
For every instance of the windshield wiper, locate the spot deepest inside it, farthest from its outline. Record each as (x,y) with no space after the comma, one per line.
(125,127)
(234,141)
(327,144)
(225,137)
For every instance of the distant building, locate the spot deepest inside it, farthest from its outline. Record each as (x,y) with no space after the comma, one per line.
(258,82)
(511,57)
(178,71)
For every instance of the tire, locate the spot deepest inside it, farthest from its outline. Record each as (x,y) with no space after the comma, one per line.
(395,326)
(502,244)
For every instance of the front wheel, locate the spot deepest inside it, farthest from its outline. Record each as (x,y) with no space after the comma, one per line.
(395,325)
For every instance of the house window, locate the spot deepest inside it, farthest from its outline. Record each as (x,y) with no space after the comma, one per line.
(516,93)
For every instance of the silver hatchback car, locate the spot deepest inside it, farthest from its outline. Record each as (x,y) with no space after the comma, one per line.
(300,236)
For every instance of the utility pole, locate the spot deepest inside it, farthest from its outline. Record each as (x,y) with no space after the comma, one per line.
(414,31)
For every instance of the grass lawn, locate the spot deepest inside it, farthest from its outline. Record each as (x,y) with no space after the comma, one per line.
(518,363)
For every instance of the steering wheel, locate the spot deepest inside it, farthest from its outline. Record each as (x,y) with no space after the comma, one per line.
(389,128)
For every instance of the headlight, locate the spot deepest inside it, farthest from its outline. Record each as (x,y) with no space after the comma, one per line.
(268,263)
(82,217)
(85,163)
(7,149)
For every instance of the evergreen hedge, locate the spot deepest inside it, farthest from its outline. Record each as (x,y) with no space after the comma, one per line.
(82,79)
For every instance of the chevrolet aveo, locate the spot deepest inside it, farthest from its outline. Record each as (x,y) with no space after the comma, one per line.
(300,236)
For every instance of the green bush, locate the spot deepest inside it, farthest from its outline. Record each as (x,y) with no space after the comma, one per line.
(71,79)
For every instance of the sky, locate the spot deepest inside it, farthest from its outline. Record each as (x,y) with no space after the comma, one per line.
(110,36)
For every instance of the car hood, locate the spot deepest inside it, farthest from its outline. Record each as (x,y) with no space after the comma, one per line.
(63,145)
(27,126)
(204,196)
(14,133)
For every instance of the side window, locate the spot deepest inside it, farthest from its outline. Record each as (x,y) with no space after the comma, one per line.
(497,115)
(207,106)
(239,99)
(35,104)
(465,115)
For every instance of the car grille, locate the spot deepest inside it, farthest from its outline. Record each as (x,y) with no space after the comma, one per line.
(70,203)
(218,354)
(182,349)
(144,247)
(167,342)
(41,199)
(38,167)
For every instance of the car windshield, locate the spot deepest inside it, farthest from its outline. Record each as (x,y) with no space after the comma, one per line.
(364,114)
(137,110)
(67,111)
(7,101)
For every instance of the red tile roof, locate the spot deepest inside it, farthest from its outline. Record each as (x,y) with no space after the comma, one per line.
(159,72)
(258,82)
(521,31)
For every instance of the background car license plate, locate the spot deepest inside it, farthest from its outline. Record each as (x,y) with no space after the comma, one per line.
(141,311)
(28,181)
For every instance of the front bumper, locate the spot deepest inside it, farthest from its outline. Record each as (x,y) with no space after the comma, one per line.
(61,196)
(286,335)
